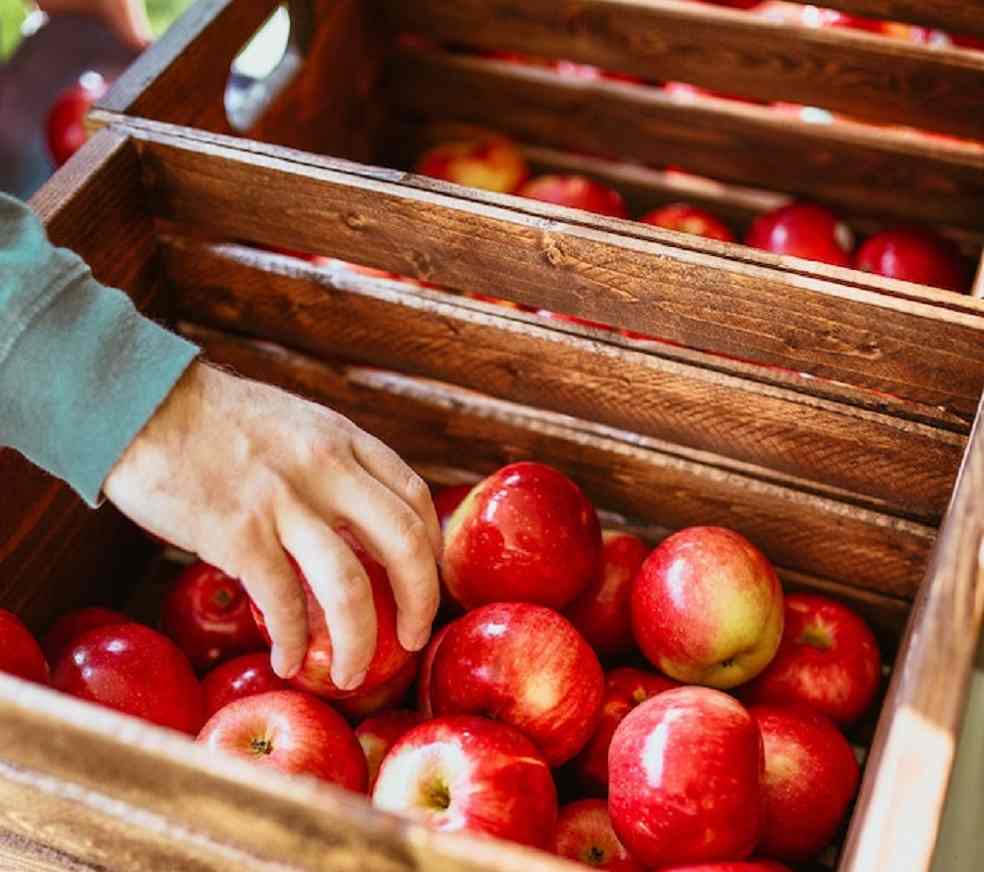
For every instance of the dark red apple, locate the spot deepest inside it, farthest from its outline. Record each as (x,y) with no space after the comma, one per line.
(135,670)
(685,218)
(602,614)
(207,614)
(20,653)
(525,534)
(914,254)
(493,164)
(707,608)
(291,732)
(247,675)
(524,665)
(685,772)
(735,866)
(469,773)
(388,694)
(811,776)
(71,625)
(584,833)
(65,124)
(576,192)
(828,660)
(424,674)
(803,230)
(379,733)
(625,688)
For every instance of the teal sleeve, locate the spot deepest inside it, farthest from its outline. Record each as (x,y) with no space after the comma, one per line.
(81,371)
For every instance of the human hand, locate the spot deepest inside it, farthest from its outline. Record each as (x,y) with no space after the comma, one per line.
(239,473)
(127,17)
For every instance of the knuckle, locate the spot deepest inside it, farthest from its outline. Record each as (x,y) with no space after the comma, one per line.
(351,596)
(411,537)
(416,489)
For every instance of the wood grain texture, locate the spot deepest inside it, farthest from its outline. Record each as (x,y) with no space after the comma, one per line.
(19,853)
(344,314)
(863,168)
(570,261)
(959,16)
(867,77)
(902,796)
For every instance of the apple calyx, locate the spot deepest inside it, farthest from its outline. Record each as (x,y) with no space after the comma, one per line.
(222,598)
(260,746)
(436,795)
(595,856)
(816,636)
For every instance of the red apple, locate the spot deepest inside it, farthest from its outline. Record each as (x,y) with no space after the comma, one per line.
(803,230)
(524,665)
(378,734)
(388,694)
(914,254)
(602,614)
(469,773)
(65,124)
(493,164)
(811,776)
(625,688)
(390,656)
(71,625)
(685,772)
(576,192)
(290,732)
(525,534)
(828,660)
(736,866)
(447,499)
(248,675)
(20,653)
(584,833)
(707,608)
(424,675)
(207,615)
(135,670)
(689,219)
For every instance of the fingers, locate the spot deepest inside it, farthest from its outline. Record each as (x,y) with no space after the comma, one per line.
(340,585)
(385,465)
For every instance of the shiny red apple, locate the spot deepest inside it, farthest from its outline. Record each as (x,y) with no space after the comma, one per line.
(707,608)
(493,164)
(135,670)
(602,614)
(685,772)
(735,866)
(467,773)
(525,534)
(290,732)
(828,660)
(914,254)
(247,675)
(685,218)
(447,500)
(625,688)
(803,230)
(524,665)
(71,625)
(811,776)
(379,733)
(20,653)
(424,673)
(576,192)
(65,124)
(584,833)
(390,693)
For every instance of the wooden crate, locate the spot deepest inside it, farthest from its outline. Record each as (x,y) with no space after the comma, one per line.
(842,488)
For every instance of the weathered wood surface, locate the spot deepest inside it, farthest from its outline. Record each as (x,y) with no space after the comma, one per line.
(960,16)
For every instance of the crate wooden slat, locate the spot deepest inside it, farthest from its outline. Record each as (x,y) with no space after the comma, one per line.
(961,16)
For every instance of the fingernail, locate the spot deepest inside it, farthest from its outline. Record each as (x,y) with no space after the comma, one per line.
(283,667)
(354,682)
(413,641)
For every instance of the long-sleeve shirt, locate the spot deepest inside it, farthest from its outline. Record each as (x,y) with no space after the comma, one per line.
(81,371)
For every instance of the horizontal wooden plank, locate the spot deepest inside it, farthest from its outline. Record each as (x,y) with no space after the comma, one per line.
(428,422)
(959,16)
(867,77)
(342,313)
(571,261)
(865,169)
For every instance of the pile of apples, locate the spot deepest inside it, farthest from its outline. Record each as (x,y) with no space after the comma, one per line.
(687,714)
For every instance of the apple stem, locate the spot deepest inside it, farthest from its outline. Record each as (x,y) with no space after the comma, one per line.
(595,856)
(260,746)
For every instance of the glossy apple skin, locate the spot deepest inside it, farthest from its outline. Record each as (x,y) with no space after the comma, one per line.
(447,500)
(602,614)
(737,866)
(291,732)
(135,670)
(65,124)
(525,534)
(492,164)
(424,673)
(584,833)
(707,608)
(390,656)
(686,773)
(73,624)
(247,675)
(811,776)
(379,733)
(207,615)
(828,660)
(469,773)
(20,653)
(803,230)
(386,695)
(524,665)
(576,192)
(689,219)
(625,688)
(913,254)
